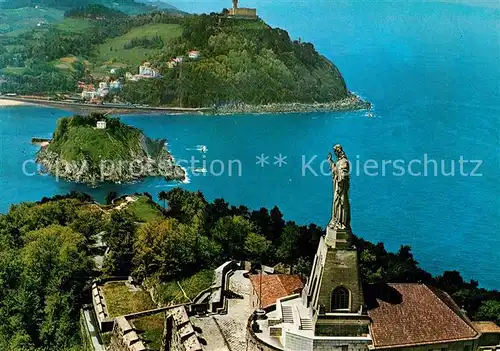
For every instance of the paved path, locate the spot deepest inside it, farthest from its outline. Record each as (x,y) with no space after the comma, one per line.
(233,324)
(228,332)
(93,332)
(211,333)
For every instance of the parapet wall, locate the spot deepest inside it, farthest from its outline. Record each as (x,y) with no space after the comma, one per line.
(178,334)
(243,12)
(124,337)
(101,312)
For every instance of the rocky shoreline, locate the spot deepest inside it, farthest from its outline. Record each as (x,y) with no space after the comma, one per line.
(137,158)
(350,103)
(120,172)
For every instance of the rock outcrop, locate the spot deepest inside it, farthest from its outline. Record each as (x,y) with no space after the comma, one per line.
(82,151)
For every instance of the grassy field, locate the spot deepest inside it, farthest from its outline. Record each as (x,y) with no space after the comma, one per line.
(121,301)
(21,19)
(170,293)
(74,25)
(197,283)
(13,70)
(11,48)
(153,330)
(145,209)
(112,52)
(85,142)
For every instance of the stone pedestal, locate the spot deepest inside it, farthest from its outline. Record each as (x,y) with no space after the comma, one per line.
(337,237)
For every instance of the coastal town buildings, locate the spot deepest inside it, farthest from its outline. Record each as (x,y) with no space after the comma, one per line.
(103,90)
(89,94)
(145,72)
(115,85)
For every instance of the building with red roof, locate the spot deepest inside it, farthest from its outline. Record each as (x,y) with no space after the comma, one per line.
(274,286)
(413,315)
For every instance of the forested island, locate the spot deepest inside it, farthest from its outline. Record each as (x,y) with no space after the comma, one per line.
(96,148)
(195,61)
(46,251)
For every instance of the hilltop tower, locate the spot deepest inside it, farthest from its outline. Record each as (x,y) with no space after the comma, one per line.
(242,12)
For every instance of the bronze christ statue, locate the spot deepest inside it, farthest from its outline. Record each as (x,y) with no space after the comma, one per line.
(341,211)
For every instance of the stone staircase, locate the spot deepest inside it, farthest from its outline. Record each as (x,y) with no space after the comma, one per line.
(306,324)
(287,313)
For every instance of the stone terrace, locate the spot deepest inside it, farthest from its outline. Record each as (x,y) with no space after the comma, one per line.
(228,332)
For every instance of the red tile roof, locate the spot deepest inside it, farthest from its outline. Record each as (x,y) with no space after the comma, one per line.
(276,286)
(486,327)
(418,315)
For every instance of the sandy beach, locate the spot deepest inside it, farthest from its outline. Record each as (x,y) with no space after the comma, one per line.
(9,103)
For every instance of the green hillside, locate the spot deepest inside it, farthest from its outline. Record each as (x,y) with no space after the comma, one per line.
(73,25)
(17,16)
(243,62)
(113,51)
(16,20)
(76,139)
(82,153)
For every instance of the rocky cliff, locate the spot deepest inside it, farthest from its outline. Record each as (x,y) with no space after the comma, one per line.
(95,149)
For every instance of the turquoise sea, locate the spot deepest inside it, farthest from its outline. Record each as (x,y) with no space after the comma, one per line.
(432,71)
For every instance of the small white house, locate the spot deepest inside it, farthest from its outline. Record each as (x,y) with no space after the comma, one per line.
(146,71)
(115,85)
(101,125)
(89,94)
(194,55)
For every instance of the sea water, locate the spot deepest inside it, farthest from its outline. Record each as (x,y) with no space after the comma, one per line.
(431,71)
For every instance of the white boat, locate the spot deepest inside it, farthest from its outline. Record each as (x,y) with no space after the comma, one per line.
(201,148)
(200,170)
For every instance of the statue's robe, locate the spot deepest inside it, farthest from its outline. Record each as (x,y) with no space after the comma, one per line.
(341,212)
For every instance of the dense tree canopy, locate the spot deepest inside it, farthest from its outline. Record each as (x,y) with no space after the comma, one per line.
(46,258)
(243,61)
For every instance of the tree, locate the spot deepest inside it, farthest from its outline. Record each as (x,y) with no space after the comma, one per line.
(89,222)
(188,207)
(164,248)
(231,233)
(288,250)
(56,269)
(256,246)
(489,311)
(110,196)
(162,196)
(120,235)
(303,267)
(277,224)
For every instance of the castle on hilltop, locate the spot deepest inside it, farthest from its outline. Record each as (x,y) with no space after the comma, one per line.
(242,12)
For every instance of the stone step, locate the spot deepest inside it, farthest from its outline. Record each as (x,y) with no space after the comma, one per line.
(306,324)
(287,314)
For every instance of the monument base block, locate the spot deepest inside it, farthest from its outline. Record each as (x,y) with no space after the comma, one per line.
(337,237)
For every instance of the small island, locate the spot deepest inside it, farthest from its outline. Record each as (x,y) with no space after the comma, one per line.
(95,149)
